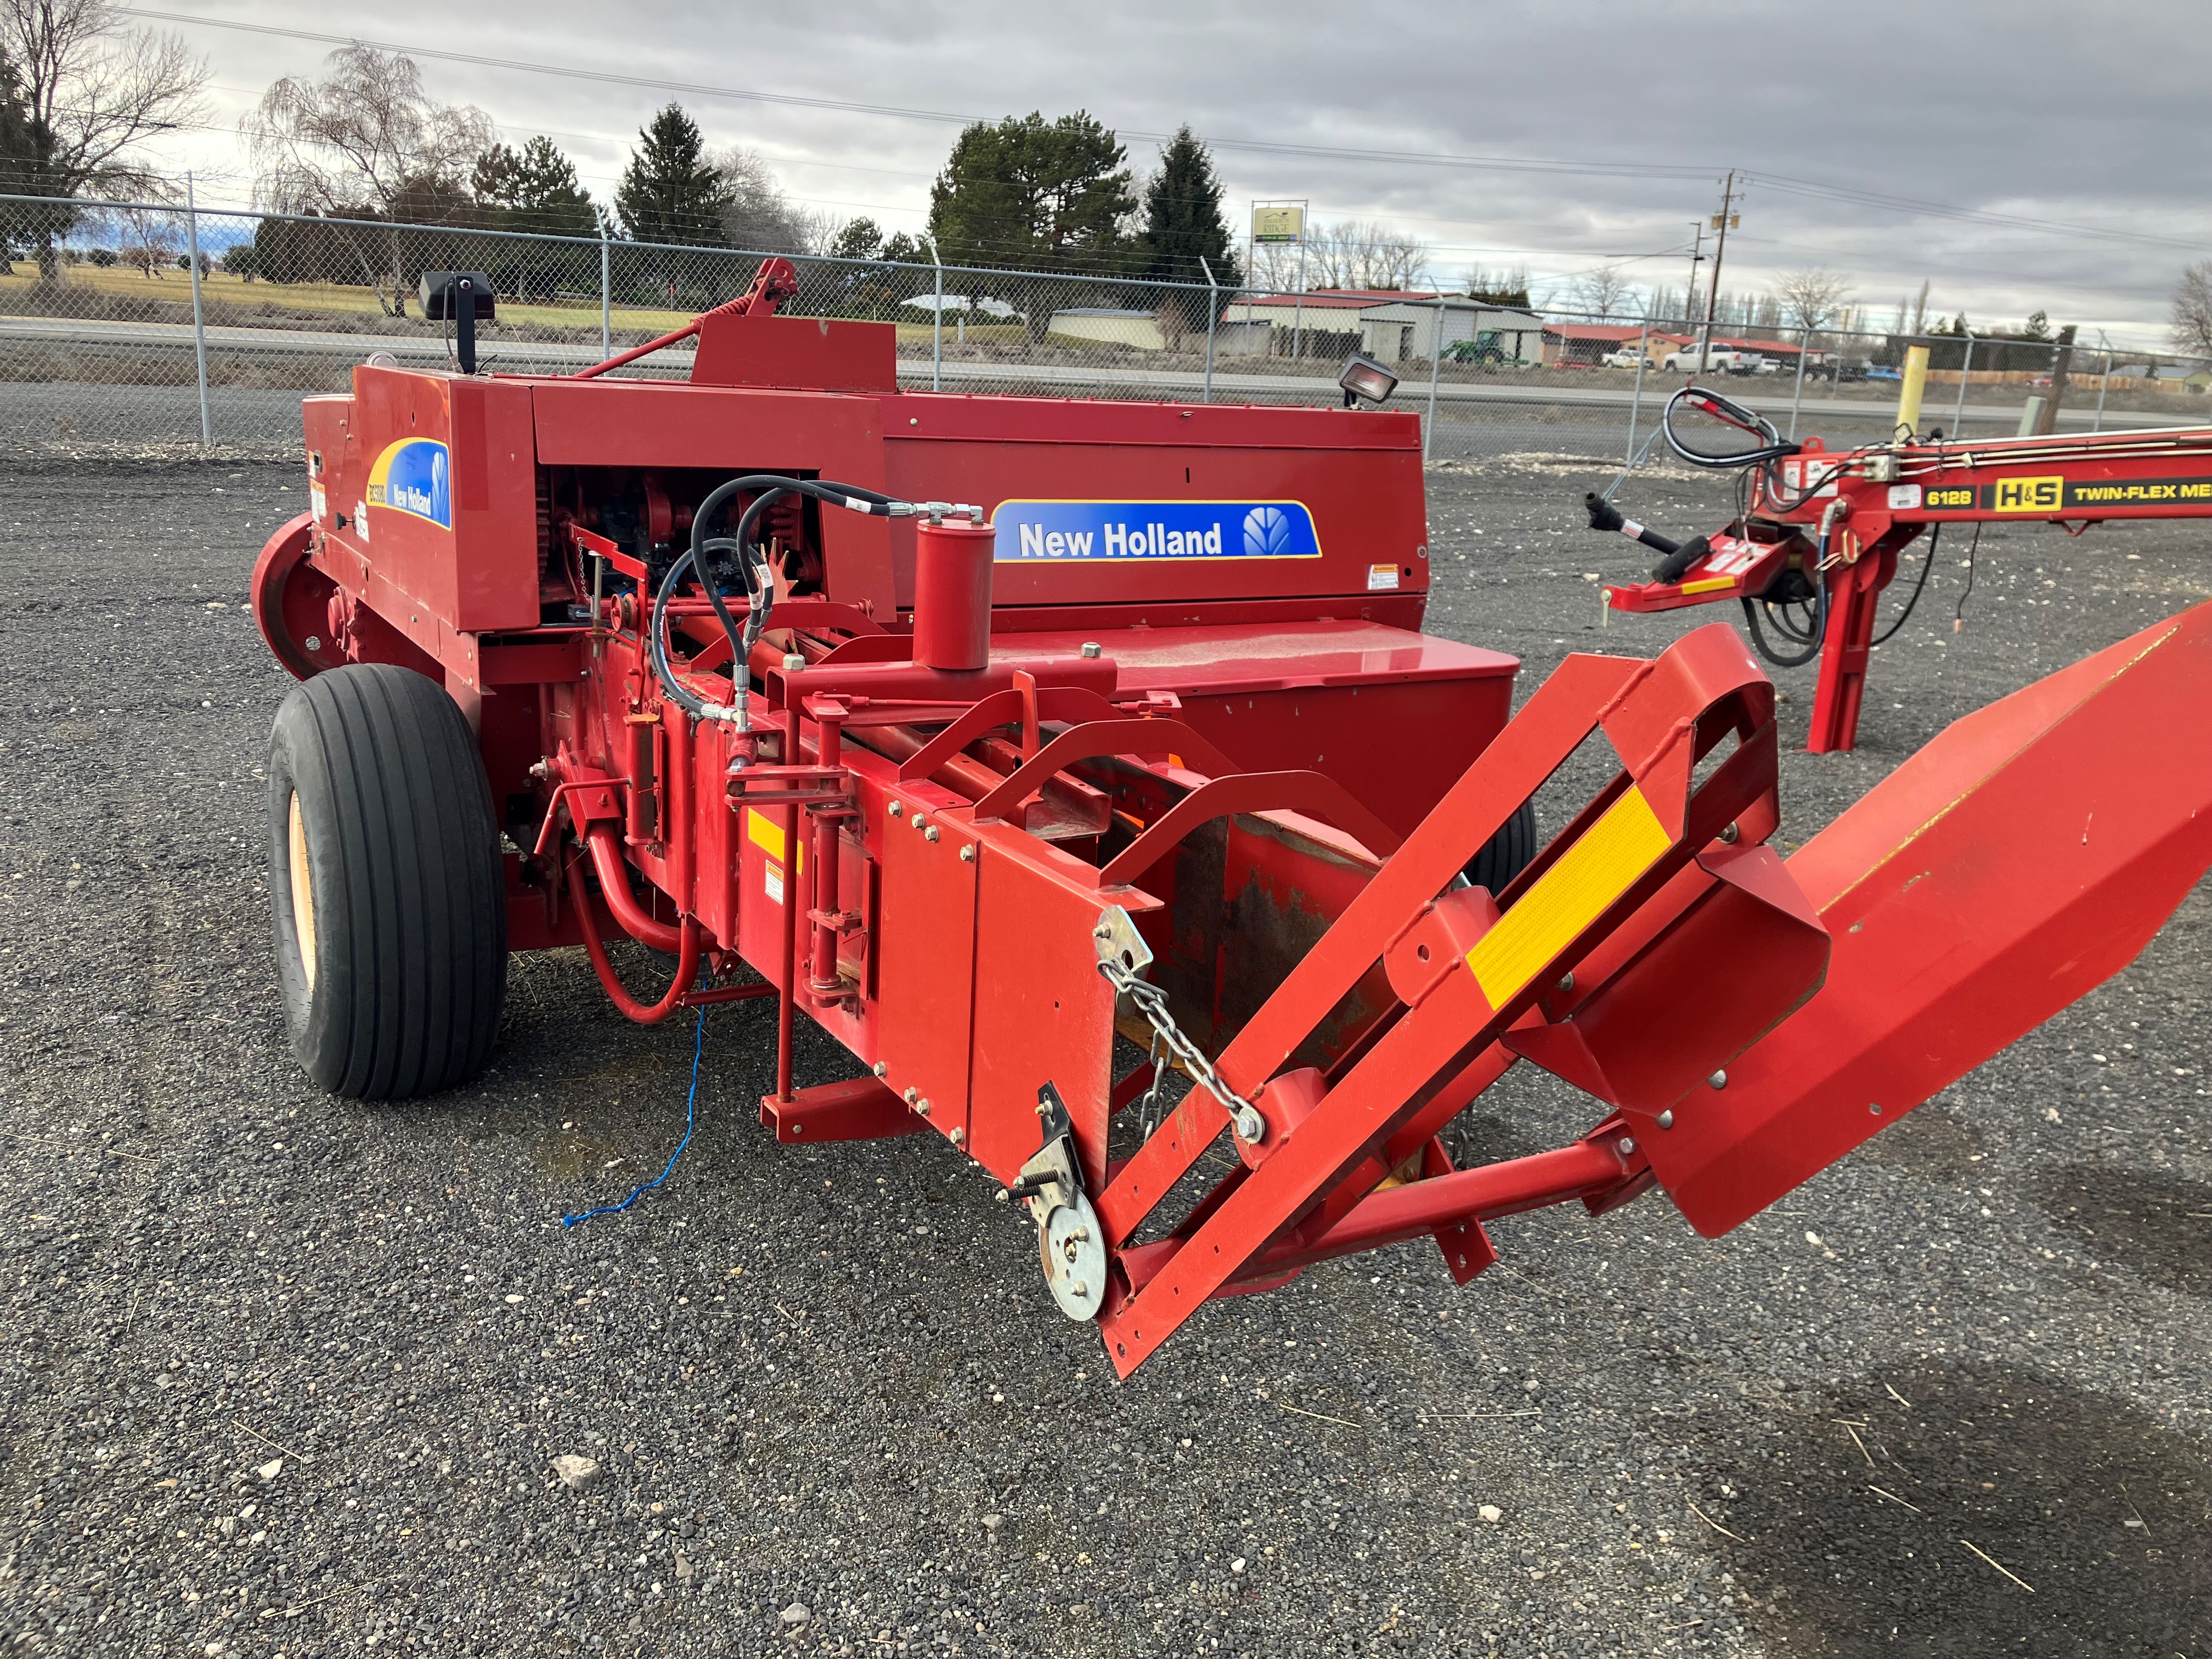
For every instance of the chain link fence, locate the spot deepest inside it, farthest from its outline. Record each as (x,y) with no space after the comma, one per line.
(115,339)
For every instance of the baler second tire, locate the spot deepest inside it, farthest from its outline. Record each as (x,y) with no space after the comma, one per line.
(1506,854)
(383,865)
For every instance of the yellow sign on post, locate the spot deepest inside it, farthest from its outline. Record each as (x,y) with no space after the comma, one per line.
(1277,224)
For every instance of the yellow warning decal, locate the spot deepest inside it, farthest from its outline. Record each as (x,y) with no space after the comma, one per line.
(1626,841)
(1709,585)
(768,835)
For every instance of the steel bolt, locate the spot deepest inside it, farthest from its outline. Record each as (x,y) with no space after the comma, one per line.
(917,818)
(313,642)
(1718,1079)
(792,662)
(930,834)
(1729,835)
(1665,1120)
(1625,1145)
(922,1107)
(882,1067)
(968,854)
(957,1136)
(896,810)
(1566,981)
(911,1096)
(1103,929)
(1090,647)
(1076,1287)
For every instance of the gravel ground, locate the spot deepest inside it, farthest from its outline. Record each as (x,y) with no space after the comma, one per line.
(285,1374)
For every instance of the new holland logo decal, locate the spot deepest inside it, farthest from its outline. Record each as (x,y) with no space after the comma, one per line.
(414,476)
(1100,532)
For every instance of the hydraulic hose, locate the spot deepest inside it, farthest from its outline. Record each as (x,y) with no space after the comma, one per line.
(687,965)
(614,881)
(759,582)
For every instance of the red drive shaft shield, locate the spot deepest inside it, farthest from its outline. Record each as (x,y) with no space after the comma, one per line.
(952,595)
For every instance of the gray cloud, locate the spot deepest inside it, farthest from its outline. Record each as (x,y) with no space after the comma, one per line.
(2069,121)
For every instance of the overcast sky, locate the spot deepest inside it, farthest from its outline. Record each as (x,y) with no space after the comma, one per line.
(2017,155)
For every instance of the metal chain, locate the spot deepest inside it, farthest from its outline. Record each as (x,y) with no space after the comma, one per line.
(1152,1003)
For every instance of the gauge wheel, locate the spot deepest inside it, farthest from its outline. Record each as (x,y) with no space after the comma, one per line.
(385,871)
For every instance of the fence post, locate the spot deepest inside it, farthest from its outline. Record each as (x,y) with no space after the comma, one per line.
(2105,385)
(1635,398)
(1965,370)
(200,327)
(1298,305)
(1435,369)
(1213,311)
(1797,396)
(606,299)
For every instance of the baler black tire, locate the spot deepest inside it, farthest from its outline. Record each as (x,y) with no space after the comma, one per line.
(1506,854)
(404,903)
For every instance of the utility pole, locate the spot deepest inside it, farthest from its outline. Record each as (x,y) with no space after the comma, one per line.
(1721,221)
(1697,258)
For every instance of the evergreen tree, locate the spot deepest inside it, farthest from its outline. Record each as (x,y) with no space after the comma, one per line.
(1030,194)
(1182,217)
(1183,226)
(533,189)
(861,238)
(670,192)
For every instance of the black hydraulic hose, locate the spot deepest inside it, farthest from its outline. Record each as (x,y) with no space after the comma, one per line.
(1927,564)
(681,695)
(769,486)
(1817,633)
(1730,412)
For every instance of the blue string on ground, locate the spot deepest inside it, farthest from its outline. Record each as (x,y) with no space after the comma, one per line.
(690,1117)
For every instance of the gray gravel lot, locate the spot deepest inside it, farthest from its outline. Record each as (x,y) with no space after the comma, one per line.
(285,1374)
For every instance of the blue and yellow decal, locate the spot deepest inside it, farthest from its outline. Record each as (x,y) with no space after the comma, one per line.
(414,476)
(1114,533)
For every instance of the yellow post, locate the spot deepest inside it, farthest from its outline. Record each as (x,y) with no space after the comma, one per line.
(1915,382)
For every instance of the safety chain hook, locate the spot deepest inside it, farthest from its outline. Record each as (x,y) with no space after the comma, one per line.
(1123,956)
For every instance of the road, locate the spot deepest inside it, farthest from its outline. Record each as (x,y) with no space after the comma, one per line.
(1770,395)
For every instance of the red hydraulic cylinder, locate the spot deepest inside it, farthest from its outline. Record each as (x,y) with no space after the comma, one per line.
(952,595)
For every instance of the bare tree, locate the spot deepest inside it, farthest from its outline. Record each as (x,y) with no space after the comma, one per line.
(1603,291)
(366,141)
(99,89)
(2192,310)
(1812,298)
(147,239)
(1360,253)
(760,217)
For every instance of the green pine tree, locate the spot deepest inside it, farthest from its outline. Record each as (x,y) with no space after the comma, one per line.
(1185,234)
(671,193)
(533,189)
(1183,222)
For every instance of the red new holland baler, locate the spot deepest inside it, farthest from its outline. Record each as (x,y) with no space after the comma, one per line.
(984,730)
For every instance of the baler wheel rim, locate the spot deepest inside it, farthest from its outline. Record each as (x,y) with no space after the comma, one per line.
(303,892)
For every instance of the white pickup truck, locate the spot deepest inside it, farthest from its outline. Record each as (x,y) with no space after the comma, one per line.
(1720,359)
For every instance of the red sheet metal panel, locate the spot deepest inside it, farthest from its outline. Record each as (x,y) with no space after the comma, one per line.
(926,964)
(2019,860)
(1395,716)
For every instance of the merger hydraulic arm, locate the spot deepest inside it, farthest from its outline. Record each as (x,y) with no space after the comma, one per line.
(1823,530)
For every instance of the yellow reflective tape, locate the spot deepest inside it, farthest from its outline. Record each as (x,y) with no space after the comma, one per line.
(1627,840)
(767,835)
(1709,585)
